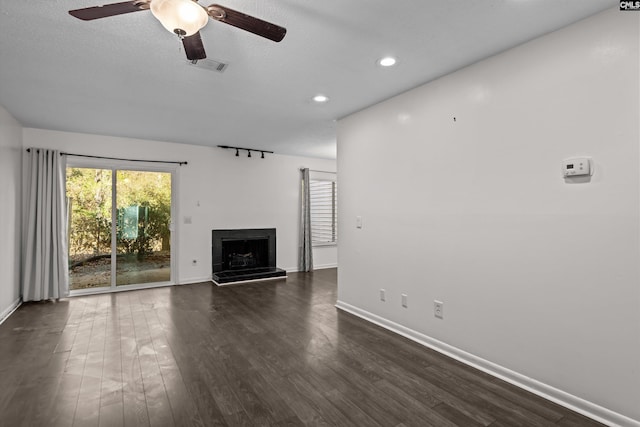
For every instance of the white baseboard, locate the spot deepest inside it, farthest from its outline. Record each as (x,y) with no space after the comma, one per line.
(325,266)
(548,392)
(315,267)
(192,280)
(9,310)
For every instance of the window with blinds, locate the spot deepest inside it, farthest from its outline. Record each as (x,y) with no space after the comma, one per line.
(324,214)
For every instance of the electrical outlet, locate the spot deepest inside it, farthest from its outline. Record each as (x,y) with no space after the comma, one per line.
(404,300)
(438,309)
(383,295)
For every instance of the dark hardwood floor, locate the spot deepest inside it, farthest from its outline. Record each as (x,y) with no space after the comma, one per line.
(271,353)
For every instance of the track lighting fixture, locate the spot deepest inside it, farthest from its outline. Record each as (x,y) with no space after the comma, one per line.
(248,150)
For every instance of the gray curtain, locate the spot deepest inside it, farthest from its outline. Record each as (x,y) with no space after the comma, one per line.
(45,272)
(305,258)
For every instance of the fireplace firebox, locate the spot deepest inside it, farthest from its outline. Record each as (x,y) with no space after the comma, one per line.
(244,255)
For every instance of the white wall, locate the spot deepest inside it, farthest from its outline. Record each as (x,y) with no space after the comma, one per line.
(539,277)
(216,189)
(10,218)
(325,257)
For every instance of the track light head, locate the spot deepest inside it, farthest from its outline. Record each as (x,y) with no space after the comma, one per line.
(248,150)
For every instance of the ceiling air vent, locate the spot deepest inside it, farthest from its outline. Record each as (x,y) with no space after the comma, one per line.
(209,64)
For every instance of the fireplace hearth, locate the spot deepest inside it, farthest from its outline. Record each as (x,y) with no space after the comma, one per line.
(244,255)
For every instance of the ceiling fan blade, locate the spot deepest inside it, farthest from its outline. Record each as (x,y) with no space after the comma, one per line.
(245,22)
(193,47)
(97,12)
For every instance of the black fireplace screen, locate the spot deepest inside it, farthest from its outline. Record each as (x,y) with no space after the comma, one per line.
(240,254)
(243,249)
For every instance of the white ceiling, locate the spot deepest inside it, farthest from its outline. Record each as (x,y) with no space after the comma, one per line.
(127,76)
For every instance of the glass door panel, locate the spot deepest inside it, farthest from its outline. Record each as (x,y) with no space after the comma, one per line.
(89,206)
(143,235)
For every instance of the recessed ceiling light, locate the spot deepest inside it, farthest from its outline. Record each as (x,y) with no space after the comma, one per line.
(320,98)
(387,61)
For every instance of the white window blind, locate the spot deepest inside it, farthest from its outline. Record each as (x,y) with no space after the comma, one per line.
(324,212)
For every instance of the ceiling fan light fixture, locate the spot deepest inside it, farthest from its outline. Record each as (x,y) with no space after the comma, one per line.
(182,17)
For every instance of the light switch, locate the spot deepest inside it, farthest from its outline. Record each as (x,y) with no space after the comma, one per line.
(358,222)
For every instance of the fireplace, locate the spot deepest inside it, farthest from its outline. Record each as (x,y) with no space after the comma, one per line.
(244,255)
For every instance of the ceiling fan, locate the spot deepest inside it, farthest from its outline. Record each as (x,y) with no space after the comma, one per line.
(185,18)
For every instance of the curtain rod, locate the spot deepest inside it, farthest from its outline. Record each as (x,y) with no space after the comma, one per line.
(117,158)
(315,170)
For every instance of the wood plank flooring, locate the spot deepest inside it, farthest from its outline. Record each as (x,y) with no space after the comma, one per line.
(262,354)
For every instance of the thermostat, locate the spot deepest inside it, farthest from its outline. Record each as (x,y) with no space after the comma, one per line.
(578,166)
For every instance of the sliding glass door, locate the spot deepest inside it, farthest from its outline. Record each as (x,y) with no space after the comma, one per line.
(120,223)
(89,209)
(143,201)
